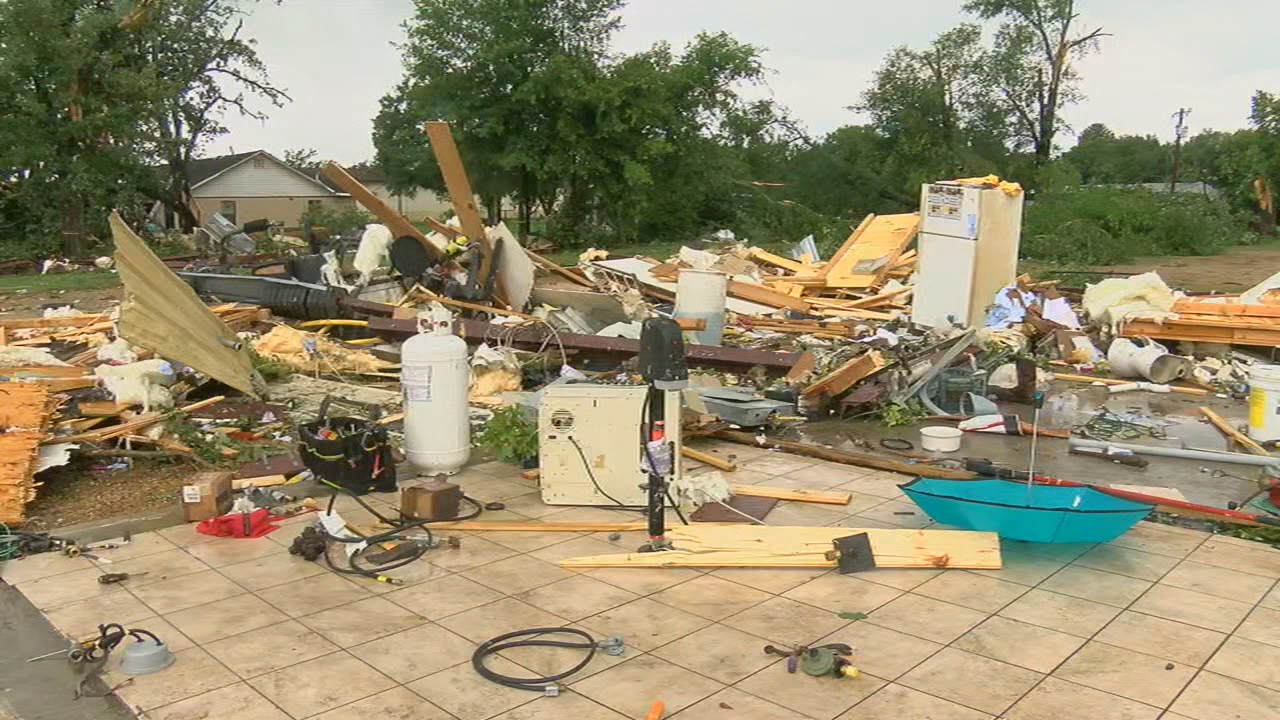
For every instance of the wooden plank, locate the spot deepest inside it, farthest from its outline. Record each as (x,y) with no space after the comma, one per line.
(556,268)
(845,457)
(885,297)
(73,321)
(803,367)
(879,245)
(1240,438)
(470,306)
(535,526)
(763,295)
(707,459)
(780,546)
(1117,381)
(847,375)
(132,425)
(264,481)
(768,258)
(459,187)
(822,497)
(395,222)
(1192,307)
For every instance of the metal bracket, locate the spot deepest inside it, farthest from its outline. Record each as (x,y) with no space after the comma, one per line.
(852,553)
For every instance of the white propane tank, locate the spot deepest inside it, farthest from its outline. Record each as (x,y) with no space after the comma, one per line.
(435,374)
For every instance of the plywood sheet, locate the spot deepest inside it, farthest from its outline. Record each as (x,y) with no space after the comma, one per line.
(867,256)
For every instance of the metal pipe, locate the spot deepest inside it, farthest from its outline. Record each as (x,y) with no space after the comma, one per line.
(1225,457)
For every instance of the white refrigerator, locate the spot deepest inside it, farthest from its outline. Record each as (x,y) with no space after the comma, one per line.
(968,248)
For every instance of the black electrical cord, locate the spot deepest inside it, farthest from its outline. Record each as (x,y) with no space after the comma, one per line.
(536,684)
(587,466)
(398,526)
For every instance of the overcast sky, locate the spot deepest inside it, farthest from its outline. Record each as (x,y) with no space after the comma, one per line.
(335,58)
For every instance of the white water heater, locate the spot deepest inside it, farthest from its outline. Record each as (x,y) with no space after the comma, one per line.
(435,373)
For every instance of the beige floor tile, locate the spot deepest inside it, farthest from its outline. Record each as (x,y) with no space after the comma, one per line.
(742,476)
(35,567)
(272,570)
(443,597)
(1242,542)
(158,567)
(819,698)
(776,463)
(1056,699)
(1187,644)
(589,514)
(1153,538)
(1247,660)
(1263,625)
(416,572)
(1222,582)
(530,505)
(902,513)
(395,704)
(770,580)
(578,546)
(187,591)
(1217,553)
(926,618)
(288,531)
(842,593)
(503,616)
(567,706)
(185,535)
(1063,613)
(1214,697)
(79,619)
(495,490)
(884,486)
(516,575)
(792,514)
(733,704)
(1126,673)
(631,687)
(645,623)
(467,696)
(322,684)
(475,551)
(719,652)
(577,597)
(880,651)
(194,672)
(415,653)
(902,579)
(1105,587)
(362,621)
(1022,568)
(269,648)
(972,591)
(1191,607)
(1017,643)
(643,581)
(954,675)
(711,597)
(1122,561)
(226,551)
(897,702)
(224,618)
(233,702)
(1272,599)
(311,595)
(789,622)
(54,590)
(529,541)
(1061,552)
(139,545)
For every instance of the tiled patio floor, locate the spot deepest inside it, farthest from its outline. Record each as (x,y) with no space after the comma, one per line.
(1162,623)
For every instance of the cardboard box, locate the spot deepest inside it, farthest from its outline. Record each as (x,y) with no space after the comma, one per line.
(207,495)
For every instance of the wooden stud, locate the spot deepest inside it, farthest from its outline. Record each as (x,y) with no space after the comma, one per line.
(1240,438)
(822,497)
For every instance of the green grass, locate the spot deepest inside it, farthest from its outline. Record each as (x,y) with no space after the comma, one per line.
(83,281)
(659,250)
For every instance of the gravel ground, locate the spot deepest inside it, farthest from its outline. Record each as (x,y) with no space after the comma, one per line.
(78,493)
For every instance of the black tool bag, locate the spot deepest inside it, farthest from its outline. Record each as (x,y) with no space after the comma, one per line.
(349,452)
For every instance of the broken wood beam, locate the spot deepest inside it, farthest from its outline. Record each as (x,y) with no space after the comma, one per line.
(1240,438)
(707,459)
(844,457)
(395,222)
(132,425)
(847,375)
(558,269)
(1116,381)
(458,186)
(822,497)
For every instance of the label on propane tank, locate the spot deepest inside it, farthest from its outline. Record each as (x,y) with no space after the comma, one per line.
(416,381)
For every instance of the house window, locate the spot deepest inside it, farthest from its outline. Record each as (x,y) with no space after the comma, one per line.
(228,210)
(259,163)
(313,206)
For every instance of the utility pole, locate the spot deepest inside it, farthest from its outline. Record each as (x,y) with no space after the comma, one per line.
(1179,131)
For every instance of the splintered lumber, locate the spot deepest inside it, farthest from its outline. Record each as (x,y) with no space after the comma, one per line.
(68,321)
(707,459)
(263,481)
(26,410)
(459,186)
(764,256)
(782,547)
(864,259)
(845,457)
(1240,438)
(1264,332)
(803,367)
(819,274)
(1117,381)
(847,375)
(163,314)
(1192,307)
(395,222)
(822,497)
(564,272)
(131,426)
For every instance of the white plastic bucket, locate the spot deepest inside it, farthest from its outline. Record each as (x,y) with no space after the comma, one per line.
(1264,402)
(937,438)
(701,294)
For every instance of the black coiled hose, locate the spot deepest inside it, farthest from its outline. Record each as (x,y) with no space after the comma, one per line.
(536,684)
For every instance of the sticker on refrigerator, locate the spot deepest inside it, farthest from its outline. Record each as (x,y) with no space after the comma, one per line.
(943,201)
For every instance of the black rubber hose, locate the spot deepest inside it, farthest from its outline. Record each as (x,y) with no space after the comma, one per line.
(535,684)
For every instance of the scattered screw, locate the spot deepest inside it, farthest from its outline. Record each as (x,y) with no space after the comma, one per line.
(615,537)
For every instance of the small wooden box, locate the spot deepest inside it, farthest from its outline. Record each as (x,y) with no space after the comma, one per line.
(434,500)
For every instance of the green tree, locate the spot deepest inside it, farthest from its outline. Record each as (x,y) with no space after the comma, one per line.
(1102,157)
(306,160)
(1032,64)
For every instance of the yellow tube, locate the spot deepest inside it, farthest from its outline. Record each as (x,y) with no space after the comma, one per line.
(329,323)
